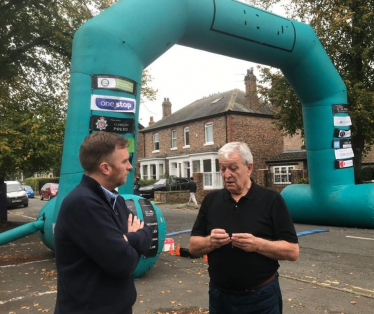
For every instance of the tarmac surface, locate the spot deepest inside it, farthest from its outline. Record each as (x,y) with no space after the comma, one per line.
(334,273)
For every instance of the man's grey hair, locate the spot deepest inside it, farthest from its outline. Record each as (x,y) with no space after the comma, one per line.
(236,147)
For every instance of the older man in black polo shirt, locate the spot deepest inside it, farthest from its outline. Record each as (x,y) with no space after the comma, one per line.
(245,229)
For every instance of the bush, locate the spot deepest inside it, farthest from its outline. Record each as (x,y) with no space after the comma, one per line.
(302,181)
(37,183)
(146,182)
(367,174)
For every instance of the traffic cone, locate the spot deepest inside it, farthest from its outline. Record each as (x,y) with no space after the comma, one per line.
(205,258)
(171,250)
(178,250)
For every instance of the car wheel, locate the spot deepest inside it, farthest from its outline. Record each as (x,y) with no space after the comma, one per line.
(49,197)
(26,205)
(41,197)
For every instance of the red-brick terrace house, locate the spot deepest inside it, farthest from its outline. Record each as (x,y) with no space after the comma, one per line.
(187,141)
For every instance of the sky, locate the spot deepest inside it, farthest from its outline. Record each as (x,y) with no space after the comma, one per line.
(184,75)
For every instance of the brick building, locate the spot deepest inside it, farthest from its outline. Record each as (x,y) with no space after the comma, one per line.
(187,141)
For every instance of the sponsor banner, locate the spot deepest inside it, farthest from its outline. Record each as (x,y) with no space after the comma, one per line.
(342,121)
(340,109)
(112,103)
(344,153)
(115,125)
(337,144)
(113,82)
(150,219)
(340,164)
(342,133)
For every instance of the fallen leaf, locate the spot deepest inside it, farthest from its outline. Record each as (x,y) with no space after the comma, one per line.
(353,302)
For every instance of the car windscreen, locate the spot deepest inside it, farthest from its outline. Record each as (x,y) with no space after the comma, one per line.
(162,181)
(54,186)
(27,187)
(13,188)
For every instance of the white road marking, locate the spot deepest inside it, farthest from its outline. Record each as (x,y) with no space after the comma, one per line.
(360,238)
(16,265)
(31,295)
(31,218)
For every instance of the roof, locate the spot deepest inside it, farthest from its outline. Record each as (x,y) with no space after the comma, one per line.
(231,101)
(289,155)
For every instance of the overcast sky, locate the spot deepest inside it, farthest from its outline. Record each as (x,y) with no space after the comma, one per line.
(184,75)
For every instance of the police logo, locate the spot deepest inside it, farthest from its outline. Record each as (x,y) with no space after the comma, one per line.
(101,124)
(342,133)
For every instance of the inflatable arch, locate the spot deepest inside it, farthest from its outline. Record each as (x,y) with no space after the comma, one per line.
(111,50)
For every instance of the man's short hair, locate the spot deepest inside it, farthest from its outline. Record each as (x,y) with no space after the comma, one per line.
(97,147)
(237,147)
(191,178)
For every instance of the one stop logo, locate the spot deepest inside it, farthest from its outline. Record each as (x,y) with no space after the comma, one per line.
(110,103)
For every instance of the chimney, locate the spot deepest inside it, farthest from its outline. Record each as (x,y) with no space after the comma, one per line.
(166,108)
(151,121)
(251,98)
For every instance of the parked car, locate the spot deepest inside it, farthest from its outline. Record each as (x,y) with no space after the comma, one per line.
(29,190)
(48,191)
(15,194)
(170,184)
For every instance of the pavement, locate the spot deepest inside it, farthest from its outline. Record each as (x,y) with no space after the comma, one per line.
(334,273)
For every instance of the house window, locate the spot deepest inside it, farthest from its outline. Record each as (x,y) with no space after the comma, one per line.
(195,166)
(186,137)
(156,142)
(153,172)
(282,175)
(145,172)
(174,169)
(207,165)
(174,139)
(209,133)
(161,170)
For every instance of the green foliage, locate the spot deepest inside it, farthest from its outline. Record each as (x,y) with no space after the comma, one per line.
(35,52)
(346,30)
(302,181)
(147,182)
(37,183)
(367,174)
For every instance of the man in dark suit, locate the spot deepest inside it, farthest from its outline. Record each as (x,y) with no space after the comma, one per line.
(98,242)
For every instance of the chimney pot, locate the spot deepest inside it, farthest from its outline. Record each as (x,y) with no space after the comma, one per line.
(251,98)
(166,108)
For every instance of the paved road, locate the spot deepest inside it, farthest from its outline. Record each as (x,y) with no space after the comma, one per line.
(334,273)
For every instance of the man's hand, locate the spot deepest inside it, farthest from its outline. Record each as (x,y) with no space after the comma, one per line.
(134,224)
(219,237)
(245,241)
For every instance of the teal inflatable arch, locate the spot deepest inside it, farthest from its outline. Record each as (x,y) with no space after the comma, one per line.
(111,50)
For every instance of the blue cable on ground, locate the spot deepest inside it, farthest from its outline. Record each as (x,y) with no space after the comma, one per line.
(299,234)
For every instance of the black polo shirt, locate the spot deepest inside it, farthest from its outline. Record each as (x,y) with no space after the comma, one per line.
(261,212)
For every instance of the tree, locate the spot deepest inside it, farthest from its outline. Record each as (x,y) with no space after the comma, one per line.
(35,52)
(346,30)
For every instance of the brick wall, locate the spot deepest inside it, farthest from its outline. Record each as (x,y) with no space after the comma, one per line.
(260,134)
(369,158)
(197,138)
(293,142)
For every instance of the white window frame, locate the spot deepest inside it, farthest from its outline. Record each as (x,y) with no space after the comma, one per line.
(186,130)
(156,143)
(208,126)
(173,139)
(282,174)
